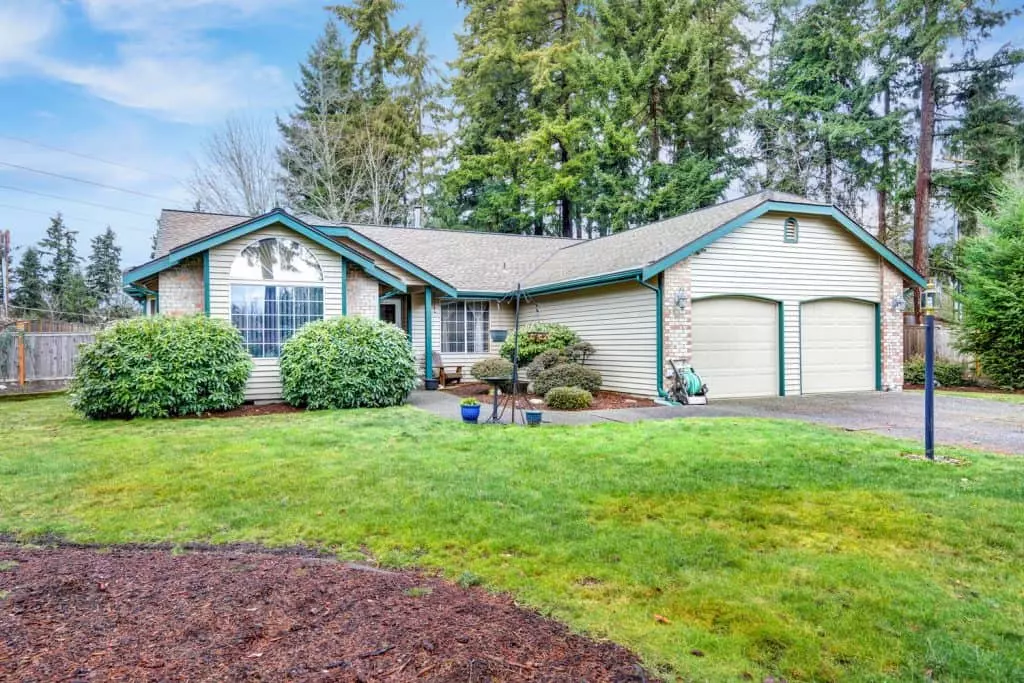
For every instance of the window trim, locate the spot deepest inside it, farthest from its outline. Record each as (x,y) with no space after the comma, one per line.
(465,303)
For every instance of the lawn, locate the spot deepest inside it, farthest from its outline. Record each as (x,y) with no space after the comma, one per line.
(769,547)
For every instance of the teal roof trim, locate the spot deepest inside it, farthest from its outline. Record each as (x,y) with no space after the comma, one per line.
(382,251)
(787,207)
(275,217)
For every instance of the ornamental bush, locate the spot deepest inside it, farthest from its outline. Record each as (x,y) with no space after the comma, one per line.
(536,338)
(348,362)
(948,373)
(492,367)
(161,367)
(543,361)
(567,375)
(568,398)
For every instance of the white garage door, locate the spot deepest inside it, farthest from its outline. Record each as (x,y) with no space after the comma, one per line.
(736,346)
(837,342)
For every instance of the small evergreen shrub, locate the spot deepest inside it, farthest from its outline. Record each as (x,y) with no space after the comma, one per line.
(347,362)
(948,373)
(492,367)
(579,352)
(568,398)
(543,361)
(567,375)
(161,367)
(536,338)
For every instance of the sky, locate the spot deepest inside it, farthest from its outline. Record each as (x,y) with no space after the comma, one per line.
(104,104)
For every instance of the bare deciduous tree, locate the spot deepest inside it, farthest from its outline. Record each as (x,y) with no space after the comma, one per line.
(238,170)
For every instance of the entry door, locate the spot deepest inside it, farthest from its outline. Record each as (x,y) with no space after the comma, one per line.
(389,312)
(838,346)
(736,346)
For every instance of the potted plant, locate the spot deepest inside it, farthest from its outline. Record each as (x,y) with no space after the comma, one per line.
(470,410)
(431,384)
(498,336)
(533,417)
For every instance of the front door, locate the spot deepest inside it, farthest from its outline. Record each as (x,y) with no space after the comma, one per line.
(389,312)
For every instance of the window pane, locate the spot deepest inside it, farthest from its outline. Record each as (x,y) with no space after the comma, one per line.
(277,258)
(269,316)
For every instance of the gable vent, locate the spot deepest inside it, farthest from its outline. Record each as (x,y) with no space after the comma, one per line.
(790,230)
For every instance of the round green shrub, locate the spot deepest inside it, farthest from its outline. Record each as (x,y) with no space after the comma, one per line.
(568,398)
(492,367)
(948,373)
(567,375)
(348,362)
(161,367)
(536,338)
(543,361)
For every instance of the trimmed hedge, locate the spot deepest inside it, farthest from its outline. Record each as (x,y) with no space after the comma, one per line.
(948,373)
(544,361)
(567,375)
(568,398)
(161,367)
(492,367)
(347,362)
(536,338)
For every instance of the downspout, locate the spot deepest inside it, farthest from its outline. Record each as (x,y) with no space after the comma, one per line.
(428,333)
(660,336)
(344,286)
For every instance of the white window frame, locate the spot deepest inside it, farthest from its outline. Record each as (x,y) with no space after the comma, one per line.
(465,326)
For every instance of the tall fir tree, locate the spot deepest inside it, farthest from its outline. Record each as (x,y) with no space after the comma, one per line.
(29,284)
(103,271)
(58,245)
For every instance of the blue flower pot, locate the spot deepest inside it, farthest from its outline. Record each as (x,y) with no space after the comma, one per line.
(533,417)
(470,414)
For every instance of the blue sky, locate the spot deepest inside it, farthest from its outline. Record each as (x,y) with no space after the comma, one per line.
(141,83)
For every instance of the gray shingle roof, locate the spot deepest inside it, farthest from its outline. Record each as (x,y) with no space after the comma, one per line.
(495,262)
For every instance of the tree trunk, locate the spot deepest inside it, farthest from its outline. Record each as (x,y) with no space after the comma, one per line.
(923,183)
(883,181)
(829,161)
(653,111)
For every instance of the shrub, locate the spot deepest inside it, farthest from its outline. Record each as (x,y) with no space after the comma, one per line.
(948,373)
(567,375)
(161,367)
(579,352)
(543,361)
(568,398)
(492,367)
(469,401)
(348,362)
(536,338)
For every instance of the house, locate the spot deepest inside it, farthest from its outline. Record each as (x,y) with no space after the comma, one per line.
(770,294)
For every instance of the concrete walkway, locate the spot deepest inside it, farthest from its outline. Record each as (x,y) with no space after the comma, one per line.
(972,422)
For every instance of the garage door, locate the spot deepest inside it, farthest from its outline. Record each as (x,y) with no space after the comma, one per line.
(736,346)
(837,342)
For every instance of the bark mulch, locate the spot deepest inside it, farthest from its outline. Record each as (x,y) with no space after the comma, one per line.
(603,400)
(248,410)
(76,614)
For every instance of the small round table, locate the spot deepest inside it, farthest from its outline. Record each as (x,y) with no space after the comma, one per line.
(495,382)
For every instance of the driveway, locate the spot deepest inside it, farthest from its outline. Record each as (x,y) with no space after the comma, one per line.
(973,422)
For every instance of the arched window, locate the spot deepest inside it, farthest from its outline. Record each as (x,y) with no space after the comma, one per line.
(268,314)
(791,230)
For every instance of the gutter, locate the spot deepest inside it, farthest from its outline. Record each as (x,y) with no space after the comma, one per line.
(660,338)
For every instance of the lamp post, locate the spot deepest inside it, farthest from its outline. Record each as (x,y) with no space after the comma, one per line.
(928,304)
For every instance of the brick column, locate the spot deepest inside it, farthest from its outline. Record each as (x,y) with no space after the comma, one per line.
(677,336)
(892,330)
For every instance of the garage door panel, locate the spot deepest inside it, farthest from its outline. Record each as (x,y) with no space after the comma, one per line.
(837,343)
(735,346)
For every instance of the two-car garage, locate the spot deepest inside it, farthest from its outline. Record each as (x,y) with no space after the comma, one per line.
(740,345)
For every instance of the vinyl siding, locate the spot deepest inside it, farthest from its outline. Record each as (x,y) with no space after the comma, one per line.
(620,321)
(265,381)
(826,261)
(501,317)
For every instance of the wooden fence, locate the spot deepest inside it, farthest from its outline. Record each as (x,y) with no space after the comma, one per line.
(945,339)
(42,357)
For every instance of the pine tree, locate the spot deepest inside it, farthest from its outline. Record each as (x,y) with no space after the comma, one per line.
(103,272)
(29,283)
(59,246)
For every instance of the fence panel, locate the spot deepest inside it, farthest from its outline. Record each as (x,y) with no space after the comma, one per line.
(8,357)
(945,339)
(50,356)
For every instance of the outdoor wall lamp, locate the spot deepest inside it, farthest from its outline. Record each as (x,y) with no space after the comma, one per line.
(899,304)
(680,299)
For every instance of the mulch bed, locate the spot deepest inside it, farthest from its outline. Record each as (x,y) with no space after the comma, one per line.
(127,614)
(969,389)
(603,400)
(249,410)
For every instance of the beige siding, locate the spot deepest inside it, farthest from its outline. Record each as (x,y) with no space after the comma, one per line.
(620,321)
(826,261)
(501,317)
(265,381)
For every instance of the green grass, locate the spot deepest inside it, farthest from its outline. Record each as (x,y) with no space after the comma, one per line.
(985,395)
(773,547)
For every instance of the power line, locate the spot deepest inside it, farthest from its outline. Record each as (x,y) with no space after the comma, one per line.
(87,182)
(88,156)
(77,219)
(76,201)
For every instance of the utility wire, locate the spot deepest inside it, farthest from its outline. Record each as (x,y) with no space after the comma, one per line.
(87,182)
(77,219)
(76,201)
(88,156)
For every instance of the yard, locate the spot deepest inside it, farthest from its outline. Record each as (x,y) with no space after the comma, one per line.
(763,547)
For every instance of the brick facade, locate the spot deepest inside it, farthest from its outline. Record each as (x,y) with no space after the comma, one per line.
(892,330)
(676,322)
(363,294)
(181,288)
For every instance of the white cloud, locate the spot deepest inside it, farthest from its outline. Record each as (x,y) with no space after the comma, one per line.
(24,27)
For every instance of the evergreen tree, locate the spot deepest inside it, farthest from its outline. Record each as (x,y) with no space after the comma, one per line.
(103,272)
(58,245)
(29,283)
